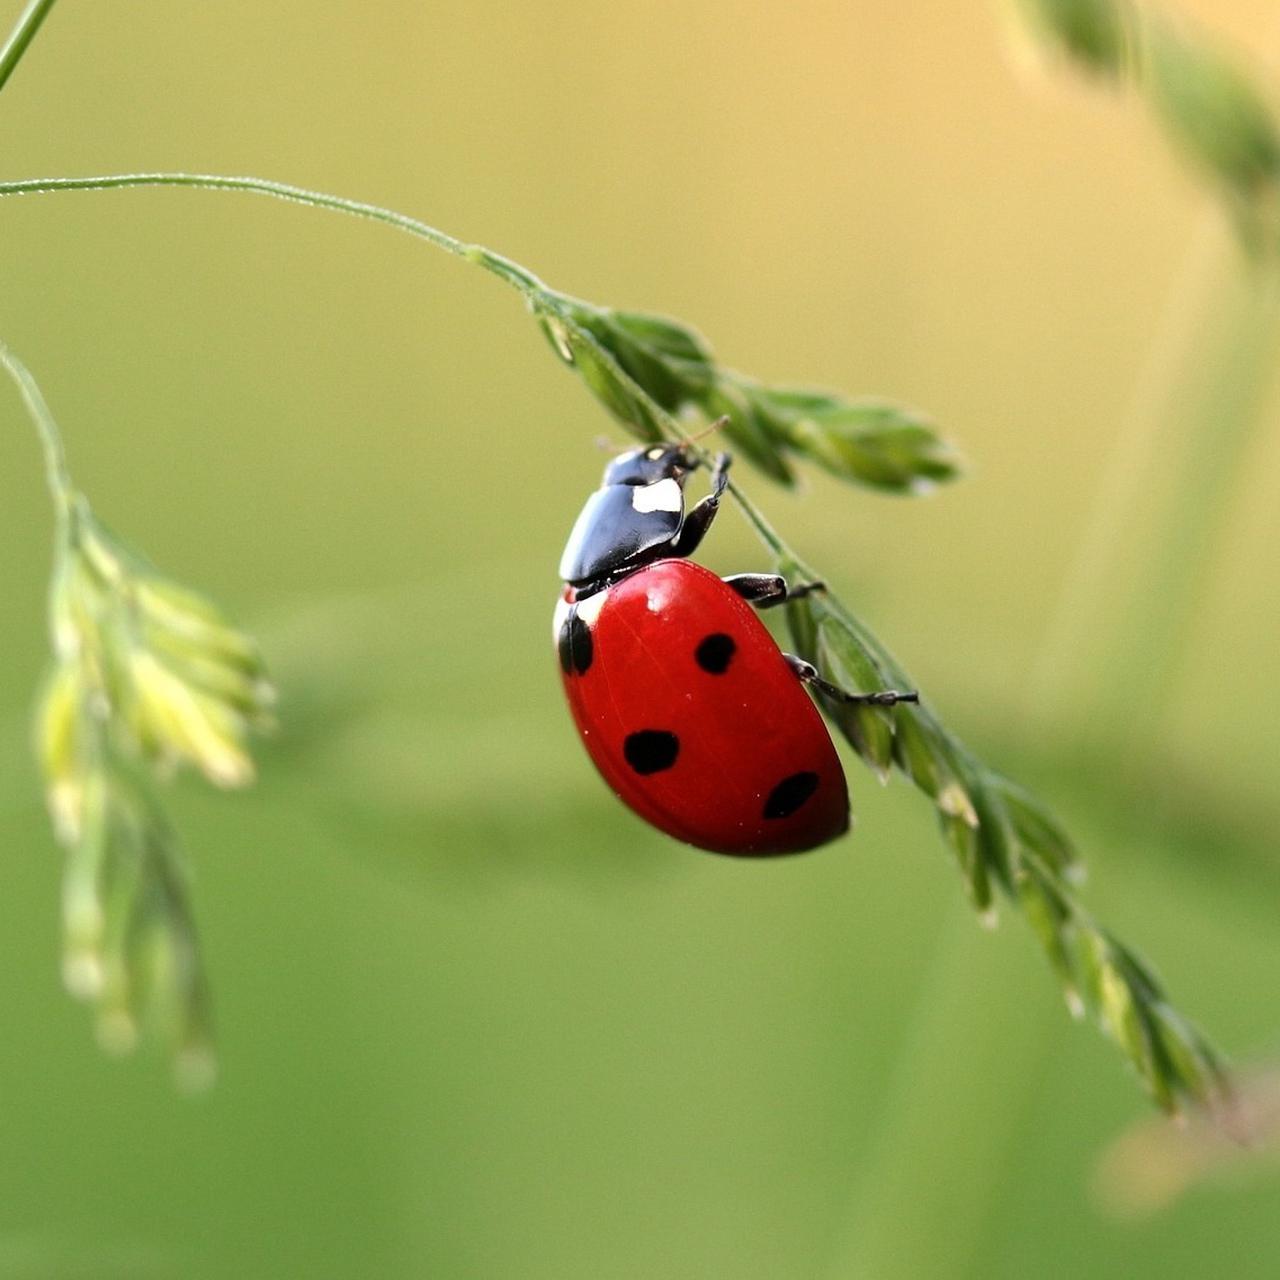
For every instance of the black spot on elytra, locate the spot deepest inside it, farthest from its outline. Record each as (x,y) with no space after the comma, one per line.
(790,794)
(574,643)
(715,653)
(651,750)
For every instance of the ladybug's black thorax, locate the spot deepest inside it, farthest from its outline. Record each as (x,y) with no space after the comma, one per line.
(631,520)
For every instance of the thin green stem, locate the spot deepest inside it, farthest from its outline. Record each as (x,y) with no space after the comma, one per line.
(764,530)
(21,37)
(55,459)
(514,274)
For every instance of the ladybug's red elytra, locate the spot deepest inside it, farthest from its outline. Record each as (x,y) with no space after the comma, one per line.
(689,709)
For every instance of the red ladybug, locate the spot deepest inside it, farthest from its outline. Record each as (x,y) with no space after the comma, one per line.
(687,706)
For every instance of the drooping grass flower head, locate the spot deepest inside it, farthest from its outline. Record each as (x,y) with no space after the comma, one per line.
(147,677)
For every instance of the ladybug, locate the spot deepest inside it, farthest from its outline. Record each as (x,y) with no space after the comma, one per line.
(691,712)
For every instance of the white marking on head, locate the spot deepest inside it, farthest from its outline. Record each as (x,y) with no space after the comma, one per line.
(589,609)
(664,495)
(654,454)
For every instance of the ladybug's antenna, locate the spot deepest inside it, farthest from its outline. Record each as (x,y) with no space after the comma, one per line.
(605,445)
(722,421)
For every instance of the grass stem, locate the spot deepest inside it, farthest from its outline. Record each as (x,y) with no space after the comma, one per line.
(55,459)
(21,36)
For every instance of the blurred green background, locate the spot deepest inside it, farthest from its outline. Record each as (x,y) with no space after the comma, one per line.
(476,1020)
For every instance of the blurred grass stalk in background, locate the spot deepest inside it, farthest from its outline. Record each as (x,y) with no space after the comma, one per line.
(1196,410)
(1151,1166)
(1209,108)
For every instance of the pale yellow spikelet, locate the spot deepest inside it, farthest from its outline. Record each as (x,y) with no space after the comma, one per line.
(179,721)
(60,748)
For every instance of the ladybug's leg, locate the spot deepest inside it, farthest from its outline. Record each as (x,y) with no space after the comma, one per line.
(809,674)
(760,589)
(764,590)
(699,519)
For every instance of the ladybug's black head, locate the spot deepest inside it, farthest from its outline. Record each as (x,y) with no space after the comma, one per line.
(649,465)
(634,517)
